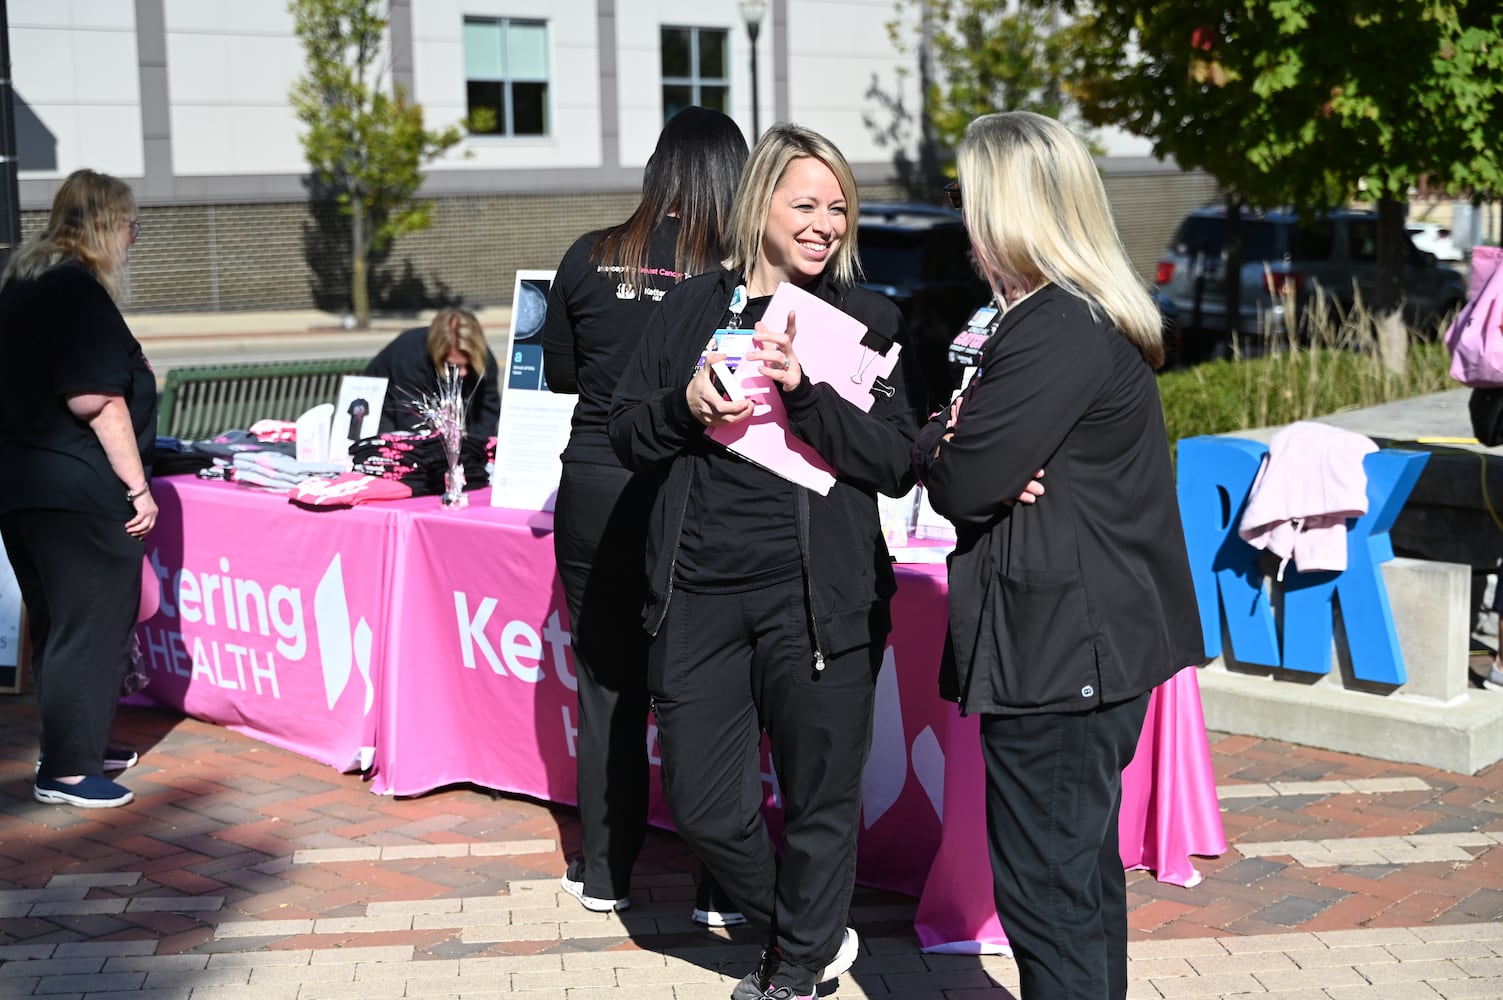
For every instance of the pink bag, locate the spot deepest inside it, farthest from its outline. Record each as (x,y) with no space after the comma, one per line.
(1475,339)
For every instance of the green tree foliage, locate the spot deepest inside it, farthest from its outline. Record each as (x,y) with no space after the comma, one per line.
(366,143)
(1308,102)
(991,55)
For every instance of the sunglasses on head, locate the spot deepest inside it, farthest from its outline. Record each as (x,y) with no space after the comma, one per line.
(952,192)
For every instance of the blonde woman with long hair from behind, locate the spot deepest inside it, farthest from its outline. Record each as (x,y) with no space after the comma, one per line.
(1067,612)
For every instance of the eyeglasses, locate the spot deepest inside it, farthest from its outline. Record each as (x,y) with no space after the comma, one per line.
(952,192)
(135,227)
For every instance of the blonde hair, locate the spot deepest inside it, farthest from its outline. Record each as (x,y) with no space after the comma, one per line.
(87,213)
(457,328)
(1036,210)
(779,146)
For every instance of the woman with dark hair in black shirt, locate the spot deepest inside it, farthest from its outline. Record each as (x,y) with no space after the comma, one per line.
(78,414)
(606,288)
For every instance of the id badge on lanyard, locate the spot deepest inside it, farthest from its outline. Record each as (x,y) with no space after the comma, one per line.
(730,340)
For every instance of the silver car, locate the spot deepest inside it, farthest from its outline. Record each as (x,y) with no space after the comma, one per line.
(1337,251)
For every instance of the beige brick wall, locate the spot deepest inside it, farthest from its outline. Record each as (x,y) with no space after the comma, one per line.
(1148,208)
(287,255)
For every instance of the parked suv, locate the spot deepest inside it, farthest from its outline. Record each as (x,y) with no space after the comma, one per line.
(920,257)
(1337,251)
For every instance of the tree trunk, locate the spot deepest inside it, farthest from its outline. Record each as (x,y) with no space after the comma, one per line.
(930,172)
(360,298)
(1388,292)
(1232,267)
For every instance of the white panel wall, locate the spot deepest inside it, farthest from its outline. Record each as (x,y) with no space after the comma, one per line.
(573,82)
(230,67)
(837,51)
(640,66)
(74,66)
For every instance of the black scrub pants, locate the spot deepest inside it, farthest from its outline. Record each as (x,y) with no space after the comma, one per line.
(1053,791)
(80,576)
(723,668)
(599,543)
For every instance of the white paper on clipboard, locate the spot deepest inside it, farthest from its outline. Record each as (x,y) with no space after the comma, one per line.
(829,349)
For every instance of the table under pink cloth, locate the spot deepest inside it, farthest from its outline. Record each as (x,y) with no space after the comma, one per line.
(459,622)
(295,656)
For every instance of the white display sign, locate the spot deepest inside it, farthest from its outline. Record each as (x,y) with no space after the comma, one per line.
(357,414)
(534,421)
(313,433)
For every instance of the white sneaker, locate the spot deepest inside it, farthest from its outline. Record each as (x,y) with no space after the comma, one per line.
(712,907)
(572,882)
(844,958)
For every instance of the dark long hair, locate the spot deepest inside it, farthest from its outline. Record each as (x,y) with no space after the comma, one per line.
(692,174)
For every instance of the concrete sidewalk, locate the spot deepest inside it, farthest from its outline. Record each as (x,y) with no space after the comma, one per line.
(244,872)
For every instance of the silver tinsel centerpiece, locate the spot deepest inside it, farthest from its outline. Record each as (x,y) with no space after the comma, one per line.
(445,413)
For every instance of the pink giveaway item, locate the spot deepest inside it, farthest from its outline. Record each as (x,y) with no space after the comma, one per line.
(1475,339)
(830,350)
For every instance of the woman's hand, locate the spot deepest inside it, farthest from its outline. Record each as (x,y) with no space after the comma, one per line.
(1032,491)
(775,352)
(709,407)
(146,515)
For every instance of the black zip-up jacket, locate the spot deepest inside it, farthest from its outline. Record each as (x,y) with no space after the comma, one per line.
(847,572)
(1083,598)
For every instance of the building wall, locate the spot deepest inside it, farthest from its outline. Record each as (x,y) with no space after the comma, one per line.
(438,83)
(188,101)
(230,67)
(77,86)
(1148,201)
(282,255)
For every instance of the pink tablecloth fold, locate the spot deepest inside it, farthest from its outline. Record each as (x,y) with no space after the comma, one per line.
(1169,812)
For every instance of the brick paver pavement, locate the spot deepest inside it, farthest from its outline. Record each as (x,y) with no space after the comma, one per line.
(243,871)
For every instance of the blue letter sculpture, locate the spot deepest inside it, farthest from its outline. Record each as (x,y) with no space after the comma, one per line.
(1215,476)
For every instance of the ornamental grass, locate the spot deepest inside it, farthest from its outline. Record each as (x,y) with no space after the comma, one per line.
(1339,359)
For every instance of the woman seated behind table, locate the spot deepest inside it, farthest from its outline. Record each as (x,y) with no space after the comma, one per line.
(414,362)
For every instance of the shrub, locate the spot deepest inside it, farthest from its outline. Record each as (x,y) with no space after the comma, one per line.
(1346,361)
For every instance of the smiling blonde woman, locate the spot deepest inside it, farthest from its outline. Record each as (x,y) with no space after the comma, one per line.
(768,602)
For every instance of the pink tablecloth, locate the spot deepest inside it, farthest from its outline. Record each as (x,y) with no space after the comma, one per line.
(269,620)
(1169,813)
(433,646)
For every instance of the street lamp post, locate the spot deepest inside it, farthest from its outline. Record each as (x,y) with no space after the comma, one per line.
(10,202)
(752,12)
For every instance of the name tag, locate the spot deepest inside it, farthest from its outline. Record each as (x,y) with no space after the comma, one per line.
(732,343)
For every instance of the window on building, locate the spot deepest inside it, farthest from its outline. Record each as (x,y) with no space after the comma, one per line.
(696,69)
(506,75)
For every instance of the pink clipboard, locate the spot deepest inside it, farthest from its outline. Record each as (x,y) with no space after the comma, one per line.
(828,346)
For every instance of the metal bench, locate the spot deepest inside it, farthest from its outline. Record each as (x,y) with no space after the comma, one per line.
(199,402)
